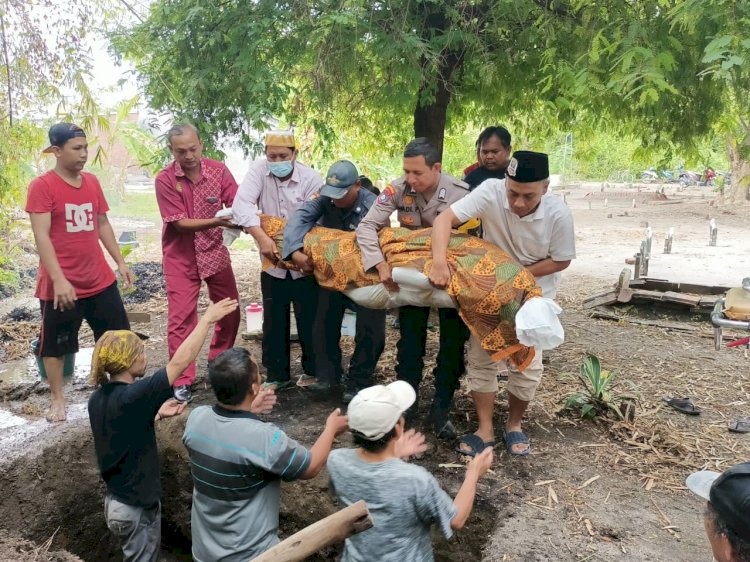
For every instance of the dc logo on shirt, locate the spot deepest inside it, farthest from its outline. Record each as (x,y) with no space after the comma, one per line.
(79,218)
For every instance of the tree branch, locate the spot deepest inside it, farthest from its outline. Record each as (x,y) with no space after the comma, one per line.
(7,70)
(555,8)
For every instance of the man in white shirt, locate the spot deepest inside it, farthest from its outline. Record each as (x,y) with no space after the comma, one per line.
(278,186)
(536,229)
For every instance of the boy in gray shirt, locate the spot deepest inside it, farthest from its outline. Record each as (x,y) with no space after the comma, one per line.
(404,499)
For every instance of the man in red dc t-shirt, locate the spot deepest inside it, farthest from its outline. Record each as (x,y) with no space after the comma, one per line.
(69,216)
(190,191)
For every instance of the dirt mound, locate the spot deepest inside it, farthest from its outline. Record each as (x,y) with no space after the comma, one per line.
(19,280)
(20,550)
(149,283)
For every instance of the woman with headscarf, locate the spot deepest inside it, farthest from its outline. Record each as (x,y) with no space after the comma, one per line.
(122,412)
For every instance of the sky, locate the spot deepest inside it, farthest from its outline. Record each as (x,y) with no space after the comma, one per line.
(107,74)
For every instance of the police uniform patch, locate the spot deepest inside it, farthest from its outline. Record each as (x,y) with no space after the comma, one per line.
(406,219)
(408,200)
(387,194)
(441,194)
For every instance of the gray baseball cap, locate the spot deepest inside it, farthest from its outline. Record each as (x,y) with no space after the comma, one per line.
(341,176)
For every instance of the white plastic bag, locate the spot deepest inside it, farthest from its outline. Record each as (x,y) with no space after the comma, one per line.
(537,324)
(230,234)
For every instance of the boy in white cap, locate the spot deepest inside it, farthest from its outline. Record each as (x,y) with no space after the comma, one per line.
(404,499)
(727,515)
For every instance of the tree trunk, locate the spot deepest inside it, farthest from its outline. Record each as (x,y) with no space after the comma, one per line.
(737,191)
(435,92)
(430,117)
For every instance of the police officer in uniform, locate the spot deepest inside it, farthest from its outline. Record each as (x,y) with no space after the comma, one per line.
(419,197)
(342,203)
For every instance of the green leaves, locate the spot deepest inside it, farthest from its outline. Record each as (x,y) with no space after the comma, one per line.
(599,392)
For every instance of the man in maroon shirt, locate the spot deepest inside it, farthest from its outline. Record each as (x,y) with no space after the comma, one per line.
(190,191)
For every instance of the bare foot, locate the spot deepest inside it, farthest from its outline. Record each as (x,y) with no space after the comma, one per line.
(56,412)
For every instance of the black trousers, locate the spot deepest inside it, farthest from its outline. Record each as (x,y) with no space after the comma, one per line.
(369,340)
(411,350)
(278,295)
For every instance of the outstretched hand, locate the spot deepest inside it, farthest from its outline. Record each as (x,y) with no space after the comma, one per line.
(410,443)
(337,422)
(218,310)
(264,401)
(171,408)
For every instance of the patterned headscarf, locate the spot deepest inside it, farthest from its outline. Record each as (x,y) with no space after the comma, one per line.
(115,352)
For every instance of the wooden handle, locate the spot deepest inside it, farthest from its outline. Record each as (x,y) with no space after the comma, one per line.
(330,530)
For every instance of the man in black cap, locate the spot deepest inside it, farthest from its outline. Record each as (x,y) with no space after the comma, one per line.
(727,515)
(341,204)
(536,229)
(68,215)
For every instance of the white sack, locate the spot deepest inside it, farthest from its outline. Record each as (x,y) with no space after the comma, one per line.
(537,324)
(414,289)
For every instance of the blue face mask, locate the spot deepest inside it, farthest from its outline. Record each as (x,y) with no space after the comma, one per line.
(281,169)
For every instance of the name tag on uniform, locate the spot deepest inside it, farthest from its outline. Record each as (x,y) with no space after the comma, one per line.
(409,218)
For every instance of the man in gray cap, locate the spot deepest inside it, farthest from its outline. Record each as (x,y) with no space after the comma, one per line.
(536,229)
(341,204)
(727,515)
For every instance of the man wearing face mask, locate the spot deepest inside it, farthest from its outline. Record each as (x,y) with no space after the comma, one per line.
(419,196)
(278,186)
(342,203)
(190,191)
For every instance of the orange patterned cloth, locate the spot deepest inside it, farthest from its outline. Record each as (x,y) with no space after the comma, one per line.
(487,285)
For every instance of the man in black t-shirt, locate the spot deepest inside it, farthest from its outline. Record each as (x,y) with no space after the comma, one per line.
(122,413)
(494,150)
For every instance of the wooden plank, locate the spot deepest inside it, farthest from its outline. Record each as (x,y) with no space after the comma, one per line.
(657,324)
(331,530)
(681,298)
(600,299)
(138,317)
(652,284)
(624,292)
(668,296)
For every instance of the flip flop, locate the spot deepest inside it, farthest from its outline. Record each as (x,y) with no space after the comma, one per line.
(306,380)
(684,405)
(475,443)
(741,425)
(278,386)
(516,438)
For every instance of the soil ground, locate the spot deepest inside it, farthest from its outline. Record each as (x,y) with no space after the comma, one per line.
(591,490)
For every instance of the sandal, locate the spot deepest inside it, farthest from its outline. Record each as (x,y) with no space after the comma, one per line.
(684,405)
(475,443)
(277,386)
(516,438)
(305,380)
(741,425)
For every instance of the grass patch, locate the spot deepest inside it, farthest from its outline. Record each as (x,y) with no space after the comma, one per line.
(134,205)
(243,244)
